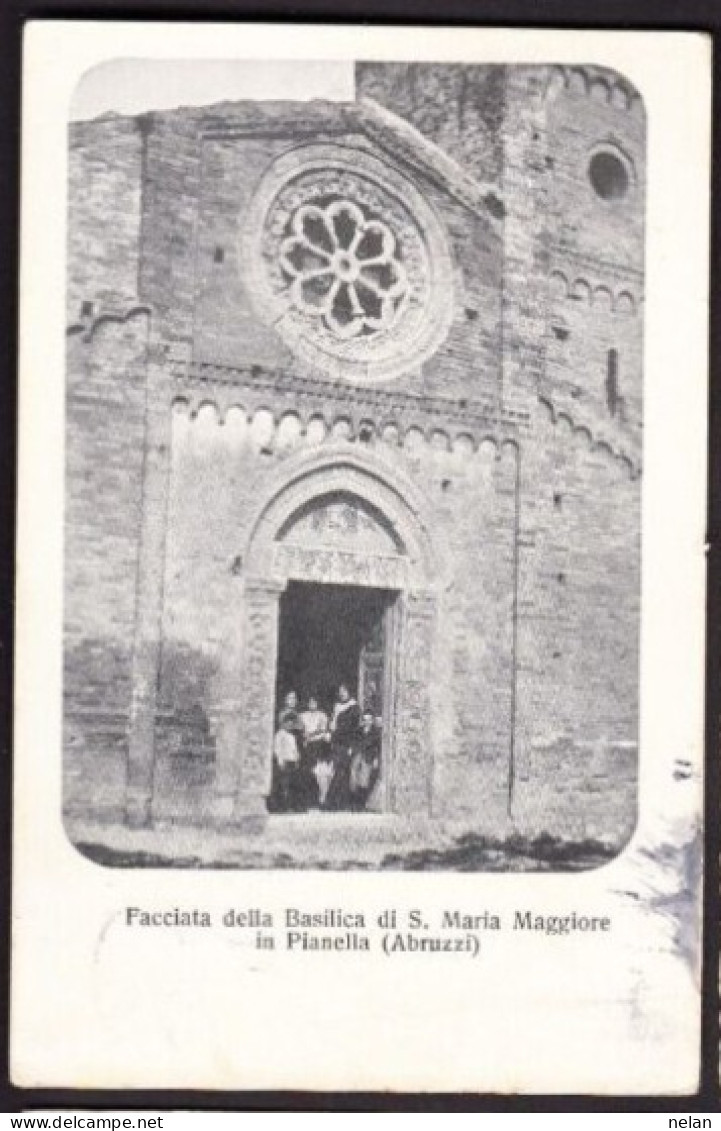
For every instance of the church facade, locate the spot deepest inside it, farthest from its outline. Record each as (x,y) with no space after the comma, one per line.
(354,393)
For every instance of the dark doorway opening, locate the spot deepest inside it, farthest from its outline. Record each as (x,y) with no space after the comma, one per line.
(331,635)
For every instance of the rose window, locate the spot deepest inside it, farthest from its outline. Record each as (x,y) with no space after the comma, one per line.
(344,269)
(344,258)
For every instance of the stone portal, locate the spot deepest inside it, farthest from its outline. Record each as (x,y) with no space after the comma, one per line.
(345,597)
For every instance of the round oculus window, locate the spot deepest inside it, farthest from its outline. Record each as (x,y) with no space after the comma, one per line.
(609,175)
(348,263)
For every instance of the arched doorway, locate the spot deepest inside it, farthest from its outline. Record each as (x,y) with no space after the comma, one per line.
(345,568)
(340,577)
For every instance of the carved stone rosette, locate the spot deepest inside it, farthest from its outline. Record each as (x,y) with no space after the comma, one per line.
(348,262)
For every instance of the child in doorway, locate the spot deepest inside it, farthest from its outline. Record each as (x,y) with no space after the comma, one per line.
(287,758)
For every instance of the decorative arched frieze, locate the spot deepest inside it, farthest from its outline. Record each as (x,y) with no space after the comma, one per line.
(440,440)
(207,412)
(254,388)
(582,434)
(489,448)
(577,81)
(581,291)
(289,431)
(558,284)
(599,90)
(89,327)
(316,429)
(373,422)
(596,293)
(601,84)
(602,299)
(625,303)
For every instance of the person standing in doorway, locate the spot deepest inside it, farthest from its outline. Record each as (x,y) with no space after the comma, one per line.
(286,760)
(290,710)
(365,763)
(283,793)
(316,763)
(344,732)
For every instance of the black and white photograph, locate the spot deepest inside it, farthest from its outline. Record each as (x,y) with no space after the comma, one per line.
(353,468)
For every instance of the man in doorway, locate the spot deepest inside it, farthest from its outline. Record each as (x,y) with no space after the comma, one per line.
(344,732)
(365,763)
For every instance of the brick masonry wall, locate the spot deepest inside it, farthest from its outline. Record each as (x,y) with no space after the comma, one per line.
(104,214)
(572,292)
(578,637)
(595,251)
(226,327)
(474,675)
(573,262)
(154,199)
(104,456)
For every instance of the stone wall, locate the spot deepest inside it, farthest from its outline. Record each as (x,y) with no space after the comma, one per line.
(185,178)
(105,406)
(578,634)
(572,261)
(595,254)
(460,108)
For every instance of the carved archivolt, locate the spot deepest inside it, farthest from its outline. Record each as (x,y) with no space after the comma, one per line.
(400,536)
(349,263)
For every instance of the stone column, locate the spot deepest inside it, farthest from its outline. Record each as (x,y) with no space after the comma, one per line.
(412,779)
(149,594)
(255,733)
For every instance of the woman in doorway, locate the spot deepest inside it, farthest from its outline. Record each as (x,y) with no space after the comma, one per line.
(344,732)
(316,762)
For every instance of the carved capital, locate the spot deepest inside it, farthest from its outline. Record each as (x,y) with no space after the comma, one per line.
(262,590)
